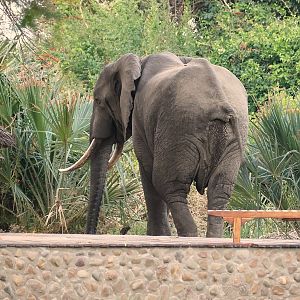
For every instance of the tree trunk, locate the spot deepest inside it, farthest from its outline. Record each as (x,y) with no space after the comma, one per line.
(176,8)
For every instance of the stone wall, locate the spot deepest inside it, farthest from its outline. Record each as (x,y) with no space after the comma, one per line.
(149,272)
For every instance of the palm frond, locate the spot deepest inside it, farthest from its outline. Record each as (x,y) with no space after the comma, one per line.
(270,177)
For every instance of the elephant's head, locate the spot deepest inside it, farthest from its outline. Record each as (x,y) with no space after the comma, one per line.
(110,124)
(113,99)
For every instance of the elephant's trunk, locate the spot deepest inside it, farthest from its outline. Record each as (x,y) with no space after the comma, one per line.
(99,166)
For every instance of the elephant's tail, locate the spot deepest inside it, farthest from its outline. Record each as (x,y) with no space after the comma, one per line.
(228,115)
(236,132)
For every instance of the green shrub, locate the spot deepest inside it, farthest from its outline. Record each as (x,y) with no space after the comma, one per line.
(270,177)
(86,39)
(257,41)
(259,47)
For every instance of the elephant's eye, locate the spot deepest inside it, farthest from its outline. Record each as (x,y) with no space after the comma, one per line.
(97,100)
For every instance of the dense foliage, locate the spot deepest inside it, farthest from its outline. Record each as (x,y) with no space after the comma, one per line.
(258,42)
(86,38)
(45,100)
(270,177)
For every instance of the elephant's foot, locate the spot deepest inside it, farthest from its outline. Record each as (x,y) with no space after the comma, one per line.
(214,227)
(183,219)
(159,231)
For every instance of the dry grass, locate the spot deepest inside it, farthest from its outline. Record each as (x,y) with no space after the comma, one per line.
(198,208)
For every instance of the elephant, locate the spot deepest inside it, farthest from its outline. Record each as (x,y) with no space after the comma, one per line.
(188,120)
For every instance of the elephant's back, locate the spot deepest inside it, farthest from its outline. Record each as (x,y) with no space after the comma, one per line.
(187,97)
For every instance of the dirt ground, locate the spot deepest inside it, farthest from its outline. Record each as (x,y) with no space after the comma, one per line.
(198,208)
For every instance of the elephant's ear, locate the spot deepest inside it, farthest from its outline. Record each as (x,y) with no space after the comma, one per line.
(129,69)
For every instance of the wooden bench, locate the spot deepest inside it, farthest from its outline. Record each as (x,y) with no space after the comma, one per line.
(240,217)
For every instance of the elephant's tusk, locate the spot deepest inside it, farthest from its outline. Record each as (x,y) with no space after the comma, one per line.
(83,159)
(116,155)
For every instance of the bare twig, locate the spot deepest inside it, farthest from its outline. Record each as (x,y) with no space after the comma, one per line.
(81,12)
(226,4)
(58,211)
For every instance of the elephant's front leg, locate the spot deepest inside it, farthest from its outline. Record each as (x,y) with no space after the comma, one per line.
(219,190)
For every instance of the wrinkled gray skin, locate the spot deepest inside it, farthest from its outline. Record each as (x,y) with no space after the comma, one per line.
(188,119)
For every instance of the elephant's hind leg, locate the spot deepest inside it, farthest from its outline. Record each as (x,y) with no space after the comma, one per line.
(182,217)
(158,223)
(175,194)
(172,178)
(219,190)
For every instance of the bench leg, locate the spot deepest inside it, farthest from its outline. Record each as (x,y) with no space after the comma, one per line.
(237,225)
